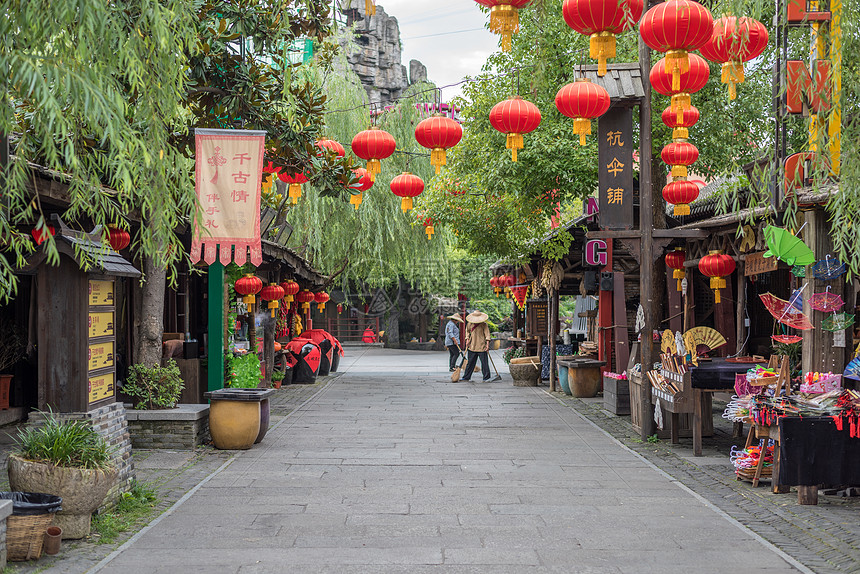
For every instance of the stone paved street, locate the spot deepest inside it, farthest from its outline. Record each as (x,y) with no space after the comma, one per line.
(389,468)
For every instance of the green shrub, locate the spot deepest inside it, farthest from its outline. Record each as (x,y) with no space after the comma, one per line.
(154,387)
(67,443)
(244,372)
(278,375)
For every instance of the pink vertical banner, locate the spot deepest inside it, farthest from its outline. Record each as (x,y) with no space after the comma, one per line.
(227,177)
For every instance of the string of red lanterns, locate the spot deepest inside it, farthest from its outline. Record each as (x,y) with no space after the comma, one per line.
(601,20)
(365,182)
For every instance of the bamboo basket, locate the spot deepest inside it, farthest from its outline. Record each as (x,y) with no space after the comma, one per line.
(25,536)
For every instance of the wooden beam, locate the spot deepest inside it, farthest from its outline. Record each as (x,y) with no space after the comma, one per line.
(636,234)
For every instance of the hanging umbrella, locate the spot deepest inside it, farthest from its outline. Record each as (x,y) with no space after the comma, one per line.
(785,312)
(828,269)
(799,271)
(852,370)
(787,339)
(837,322)
(786,247)
(796,299)
(827,302)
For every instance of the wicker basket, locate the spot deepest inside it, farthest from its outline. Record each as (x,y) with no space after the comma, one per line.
(25,535)
(749,473)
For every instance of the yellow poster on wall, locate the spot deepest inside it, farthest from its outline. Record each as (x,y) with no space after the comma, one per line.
(100,324)
(99,356)
(101,293)
(100,387)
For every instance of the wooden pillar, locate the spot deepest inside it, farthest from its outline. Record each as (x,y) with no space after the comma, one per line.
(552,328)
(740,319)
(807,495)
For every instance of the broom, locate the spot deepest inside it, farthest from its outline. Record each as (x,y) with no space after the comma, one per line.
(455,376)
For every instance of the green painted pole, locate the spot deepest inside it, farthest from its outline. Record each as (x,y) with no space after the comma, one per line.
(216,326)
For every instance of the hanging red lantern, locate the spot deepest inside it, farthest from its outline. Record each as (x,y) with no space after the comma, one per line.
(118,238)
(407,186)
(494,283)
(681,194)
(365,182)
(438,133)
(270,168)
(248,286)
(602,20)
(290,289)
(339,308)
(504,18)
(331,145)
(717,265)
(510,281)
(295,181)
(428,228)
(679,128)
(679,155)
(373,145)
(733,42)
(691,81)
(40,235)
(272,293)
(321,298)
(515,117)
(676,28)
(675,260)
(305,297)
(582,101)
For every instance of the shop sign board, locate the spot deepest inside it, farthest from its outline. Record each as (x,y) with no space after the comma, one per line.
(757,263)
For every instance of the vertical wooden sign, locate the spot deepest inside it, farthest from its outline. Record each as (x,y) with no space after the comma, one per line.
(615,174)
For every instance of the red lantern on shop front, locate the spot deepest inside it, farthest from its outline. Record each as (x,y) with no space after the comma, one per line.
(321,298)
(290,289)
(507,282)
(305,297)
(248,286)
(438,133)
(676,28)
(295,188)
(717,265)
(582,101)
(679,155)
(365,182)
(331,145)
(602,20)
(691,81)
(373,145)
(272,293)
(675,260)
(515,117)
(681,194)
(680,128)
(40,235)
(504,18)
(118,238)
(406,186)
(733,42)
(494,283)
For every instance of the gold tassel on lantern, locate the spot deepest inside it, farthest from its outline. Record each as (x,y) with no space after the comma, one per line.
(267,184)
(680,134)
(374,166)
(355,199)
(733,74)
(601,47)
(429,231)
(437,158)
(249,301)
(679,171)
(679,274)
(273,305)
(320,307)
(681,209)
(295,192)
(513,143)
(582,127)
(677,63)
(406,204)
(505,21)
(680,103)
(717,283)
(369,8)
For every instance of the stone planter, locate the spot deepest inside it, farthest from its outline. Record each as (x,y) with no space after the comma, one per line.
(236,417)
(525,371)
(82,490)
(182,428)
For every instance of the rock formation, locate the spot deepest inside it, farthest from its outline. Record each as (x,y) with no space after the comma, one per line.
(377,59)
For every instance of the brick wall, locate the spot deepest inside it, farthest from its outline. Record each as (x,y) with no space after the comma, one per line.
(178,435)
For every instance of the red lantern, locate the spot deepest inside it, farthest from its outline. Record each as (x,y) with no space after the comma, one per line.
(270,168)
(321,299)
(248,286)
(679,128)
(504,18)
(272,293)
(691,81)
(438,133)
(509,281)
(295,181)
(407,186)
(582,101)
(373,145)
(675,260)
(290,288)
(494,283)
(40,235)
(681,193)
(602,20)
(428,227)
(365,182)
(305,297)
(515,117)
(677,27)
(331,145)
(118,238)
(717,265)
(733,42)
(679,155)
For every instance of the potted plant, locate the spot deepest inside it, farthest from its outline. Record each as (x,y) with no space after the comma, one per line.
(244,371)
(154,387)
(277,379)
(12,346)
(68,459)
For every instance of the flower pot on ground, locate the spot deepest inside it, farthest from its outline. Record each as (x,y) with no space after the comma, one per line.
(154,387)
(69,460)
(277,379)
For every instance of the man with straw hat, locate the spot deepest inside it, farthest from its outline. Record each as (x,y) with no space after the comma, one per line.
(452,339)
(477,344)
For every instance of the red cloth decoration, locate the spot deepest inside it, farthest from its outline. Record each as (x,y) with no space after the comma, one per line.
(602,20)
(733,42)
(520,292)
(373,145)
(717,265)
(40,235)
(438,133)
(582,101)
(515,117)
(407,185)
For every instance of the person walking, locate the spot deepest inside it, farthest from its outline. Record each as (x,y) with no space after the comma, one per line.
(477,344)
(452,339)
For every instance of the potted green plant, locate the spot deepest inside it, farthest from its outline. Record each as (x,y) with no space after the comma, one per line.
(277,379)
(154,387)
(244,371)
(68,459)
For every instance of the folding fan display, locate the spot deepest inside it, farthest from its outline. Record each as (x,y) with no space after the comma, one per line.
(852,370)
(705,336)
(785,312)
(828,269)
(826,301)
(787,339)
(667,342)
(837,322)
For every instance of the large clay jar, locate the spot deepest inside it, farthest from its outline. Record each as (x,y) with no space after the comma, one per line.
(82,490)
(234,424)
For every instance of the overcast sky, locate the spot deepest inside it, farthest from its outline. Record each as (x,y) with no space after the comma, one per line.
(447,36)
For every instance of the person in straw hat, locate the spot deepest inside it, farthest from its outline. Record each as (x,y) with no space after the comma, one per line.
(477,344)
(452,339)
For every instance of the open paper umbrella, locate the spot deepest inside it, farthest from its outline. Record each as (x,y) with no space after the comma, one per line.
(827,302)
(799,271)
(828,269)
(837,322)
(786,247)
(852,369)
(787,339)
(785,312)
